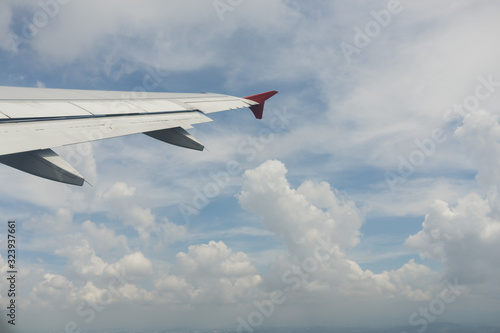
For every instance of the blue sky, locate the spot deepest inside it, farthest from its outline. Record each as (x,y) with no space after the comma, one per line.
(382,144)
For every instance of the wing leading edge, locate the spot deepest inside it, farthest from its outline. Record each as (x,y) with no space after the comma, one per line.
(34,120)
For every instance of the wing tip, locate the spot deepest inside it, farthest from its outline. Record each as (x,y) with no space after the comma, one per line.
(258,109)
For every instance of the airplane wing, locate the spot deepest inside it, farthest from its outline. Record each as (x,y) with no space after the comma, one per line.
(34,120)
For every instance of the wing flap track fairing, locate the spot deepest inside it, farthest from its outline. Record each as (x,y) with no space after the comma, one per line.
(44,163)
(177,136)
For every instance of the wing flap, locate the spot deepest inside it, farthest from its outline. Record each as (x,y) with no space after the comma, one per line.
(99,107)
(35,109)
(157,105)
(218,103)
(27,93)
(216,106)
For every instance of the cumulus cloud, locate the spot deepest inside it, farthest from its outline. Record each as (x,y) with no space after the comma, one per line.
(134,265)
(465,238)
(116,284)
(82,258)
(214,274)
(93,279)
(300,216)
(319,226)
(117,191)
(53,290)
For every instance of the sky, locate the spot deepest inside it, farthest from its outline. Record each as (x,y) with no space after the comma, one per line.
(368,196)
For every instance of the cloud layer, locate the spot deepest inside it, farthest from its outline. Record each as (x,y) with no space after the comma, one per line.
(406,128)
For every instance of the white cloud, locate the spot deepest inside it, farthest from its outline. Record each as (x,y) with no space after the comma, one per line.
(119,190)
(214,258)
(104,239)
(210,274)
(465,238)
(82,258)
(53,290)
(93,280)
(315,217)
(132,266)
(319,227)
(213,274)
(300,216)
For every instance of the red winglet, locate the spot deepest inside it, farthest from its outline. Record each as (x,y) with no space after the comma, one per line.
(258,109)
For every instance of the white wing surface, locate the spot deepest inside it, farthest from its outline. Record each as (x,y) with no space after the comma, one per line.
(34,120)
